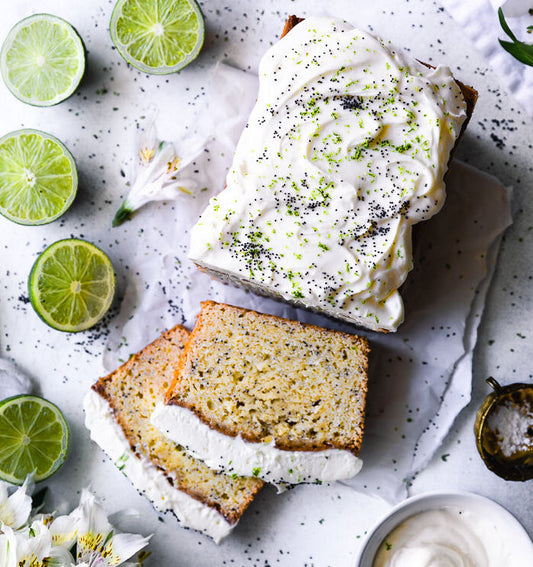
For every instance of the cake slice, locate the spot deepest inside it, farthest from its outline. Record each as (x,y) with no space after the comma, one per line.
(117,413)
(258,395)
(345,150)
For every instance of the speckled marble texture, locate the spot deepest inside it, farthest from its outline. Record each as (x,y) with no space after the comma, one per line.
(98,124)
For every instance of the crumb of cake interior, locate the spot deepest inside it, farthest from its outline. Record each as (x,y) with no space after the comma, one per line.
(345,150)
(117,413)
(258,395)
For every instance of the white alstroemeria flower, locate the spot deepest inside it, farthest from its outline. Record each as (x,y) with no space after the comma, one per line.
(64,529)
(15,509)
(160,173)
(8,549)
(97,544)
(46,541)
(31,545)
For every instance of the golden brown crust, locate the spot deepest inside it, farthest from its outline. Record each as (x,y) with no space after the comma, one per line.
(177,335)
(247,284)
(470,95)
(290,23)
(205,319)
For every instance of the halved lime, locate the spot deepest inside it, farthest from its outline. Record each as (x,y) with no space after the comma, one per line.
(38,177)
(34,438)
(71,285)
(42,60)
(157,36)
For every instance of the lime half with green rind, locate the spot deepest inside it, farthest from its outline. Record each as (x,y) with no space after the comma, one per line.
(71,285)
(157,36)
(34,438)
(42,60)
(38,177)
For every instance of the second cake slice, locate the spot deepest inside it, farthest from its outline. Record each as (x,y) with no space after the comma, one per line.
(263,396)
(117,413)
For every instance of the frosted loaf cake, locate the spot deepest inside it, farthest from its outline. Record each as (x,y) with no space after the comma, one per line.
(263,396)
(117,413)
(344,151)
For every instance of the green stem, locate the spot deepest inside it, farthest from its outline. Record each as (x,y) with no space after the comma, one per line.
(123,214)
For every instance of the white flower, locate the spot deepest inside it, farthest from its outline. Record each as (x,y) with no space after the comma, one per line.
(64,529)
(8,551)
(160,175)
(30,546)
(16,508)
(97,544)
(46,541)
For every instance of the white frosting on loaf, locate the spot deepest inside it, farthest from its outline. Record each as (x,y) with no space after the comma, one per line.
(345,150)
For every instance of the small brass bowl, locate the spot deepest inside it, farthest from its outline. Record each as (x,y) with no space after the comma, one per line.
(512,461)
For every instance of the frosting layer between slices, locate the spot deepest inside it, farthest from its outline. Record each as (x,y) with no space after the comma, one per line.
(234,455)
(146,478)
(345,150)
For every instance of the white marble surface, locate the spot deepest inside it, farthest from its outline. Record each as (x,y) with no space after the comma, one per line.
(98,125)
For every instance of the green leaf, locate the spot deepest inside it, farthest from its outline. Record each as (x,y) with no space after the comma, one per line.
(521,51)
(505,26)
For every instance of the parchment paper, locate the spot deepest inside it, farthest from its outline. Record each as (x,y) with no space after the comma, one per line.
(420,377)
(479,20)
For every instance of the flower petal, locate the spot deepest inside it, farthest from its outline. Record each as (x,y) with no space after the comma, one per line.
(122,546)
(148,140)
(3,491)
(60,557)
(8,547)
(31,545)
(15,510)
(160,176)
(64,529)
(92,517)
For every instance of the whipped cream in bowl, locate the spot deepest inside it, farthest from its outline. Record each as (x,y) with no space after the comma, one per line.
(447,529)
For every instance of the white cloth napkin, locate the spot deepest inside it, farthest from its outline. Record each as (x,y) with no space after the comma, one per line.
(479,19)
(12,380)
(420,377)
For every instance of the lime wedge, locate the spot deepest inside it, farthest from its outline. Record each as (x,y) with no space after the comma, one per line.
(71,285)
(34,438)
(42,60)
(157,36)
(38,178)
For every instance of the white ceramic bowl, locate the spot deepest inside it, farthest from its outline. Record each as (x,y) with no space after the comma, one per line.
(517,539)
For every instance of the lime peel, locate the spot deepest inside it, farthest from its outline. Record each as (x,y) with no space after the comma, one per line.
(157,37)
(34,438)
(42,60)
(38,177)
(71,285)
